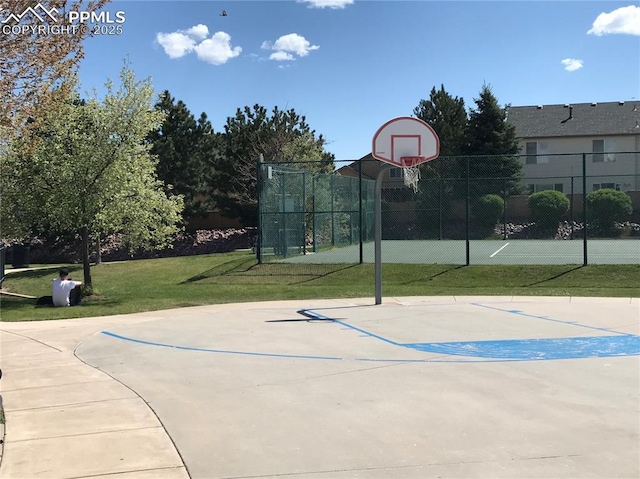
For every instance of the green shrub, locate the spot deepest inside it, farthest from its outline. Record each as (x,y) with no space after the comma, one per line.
(548,208)
(606,206)
(488,210)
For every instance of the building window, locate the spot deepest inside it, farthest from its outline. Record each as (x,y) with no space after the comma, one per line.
(611,186)
(537,152)
(533,188)
(604,150)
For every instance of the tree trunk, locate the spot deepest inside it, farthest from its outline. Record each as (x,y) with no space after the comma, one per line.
(98,249)
(85,258)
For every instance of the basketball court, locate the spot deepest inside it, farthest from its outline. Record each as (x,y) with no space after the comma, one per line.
(482,252)
(412,388)
(407,388)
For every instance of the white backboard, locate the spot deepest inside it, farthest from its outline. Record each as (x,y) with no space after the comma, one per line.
(405,136)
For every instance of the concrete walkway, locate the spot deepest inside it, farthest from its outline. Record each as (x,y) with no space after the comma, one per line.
(68,420)
(65,419)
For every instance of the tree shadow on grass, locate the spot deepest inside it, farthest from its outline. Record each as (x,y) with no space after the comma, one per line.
(448,270)
(8,303)
(39,273)
(556,276)
(249,268)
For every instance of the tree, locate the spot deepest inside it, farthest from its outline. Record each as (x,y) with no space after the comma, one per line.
(84,167)
(186,150)
(494,144)
(448,118)
(33,61)
(252,132)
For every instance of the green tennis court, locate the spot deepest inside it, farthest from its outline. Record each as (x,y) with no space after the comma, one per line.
(483,252)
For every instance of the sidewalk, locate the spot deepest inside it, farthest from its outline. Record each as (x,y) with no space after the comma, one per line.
(65,419)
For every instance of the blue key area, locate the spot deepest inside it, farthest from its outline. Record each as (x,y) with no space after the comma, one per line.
(538,349)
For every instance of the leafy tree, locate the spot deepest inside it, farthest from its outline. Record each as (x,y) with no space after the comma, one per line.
(186,151)
(33,61)
(84,167)
(252,132)
(493,143)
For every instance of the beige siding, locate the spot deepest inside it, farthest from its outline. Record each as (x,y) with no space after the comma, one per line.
(622,172)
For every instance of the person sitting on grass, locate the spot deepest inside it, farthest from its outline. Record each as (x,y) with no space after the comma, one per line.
(65,291)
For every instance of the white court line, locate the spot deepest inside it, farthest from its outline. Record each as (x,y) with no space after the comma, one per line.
(532,255)
(503,247)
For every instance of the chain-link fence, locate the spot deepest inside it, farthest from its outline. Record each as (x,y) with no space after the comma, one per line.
(302,212)
(527,209)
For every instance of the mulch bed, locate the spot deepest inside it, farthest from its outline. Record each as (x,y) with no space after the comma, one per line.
(67,249)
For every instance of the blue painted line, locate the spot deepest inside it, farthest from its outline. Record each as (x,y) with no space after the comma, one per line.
(545,318)
(308,312)
(367,333)
(222,351)
(314,315)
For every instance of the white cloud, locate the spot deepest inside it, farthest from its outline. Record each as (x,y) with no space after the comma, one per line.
(176,44)
(327,3)
(281,56)
(572,64)
(200,31)
(287,46)
(625,20)
(216,50)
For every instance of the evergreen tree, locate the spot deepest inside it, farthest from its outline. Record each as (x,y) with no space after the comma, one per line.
(185,150)
(448,118)
(252,132)
(493,144)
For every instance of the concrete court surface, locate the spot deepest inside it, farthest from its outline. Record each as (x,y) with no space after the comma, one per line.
(487,387)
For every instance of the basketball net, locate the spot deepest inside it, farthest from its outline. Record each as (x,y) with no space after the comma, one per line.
(411,166)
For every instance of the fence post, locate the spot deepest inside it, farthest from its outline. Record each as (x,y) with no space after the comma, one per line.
(333,220)
(584,208)
(2,262)
(440,207)
(360,210)
(304,212)
(351,228)
(259,194)
(314,220)
(284,244)
(467,219)
(504,210)
(571,209)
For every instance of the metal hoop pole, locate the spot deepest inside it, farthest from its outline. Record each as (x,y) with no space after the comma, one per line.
(378,232)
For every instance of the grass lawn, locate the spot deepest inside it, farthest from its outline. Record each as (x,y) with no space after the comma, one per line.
(146,285)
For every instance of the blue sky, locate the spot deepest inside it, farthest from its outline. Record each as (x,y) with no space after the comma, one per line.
(353,65)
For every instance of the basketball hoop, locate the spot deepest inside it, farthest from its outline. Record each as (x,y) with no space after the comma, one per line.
(411,166)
